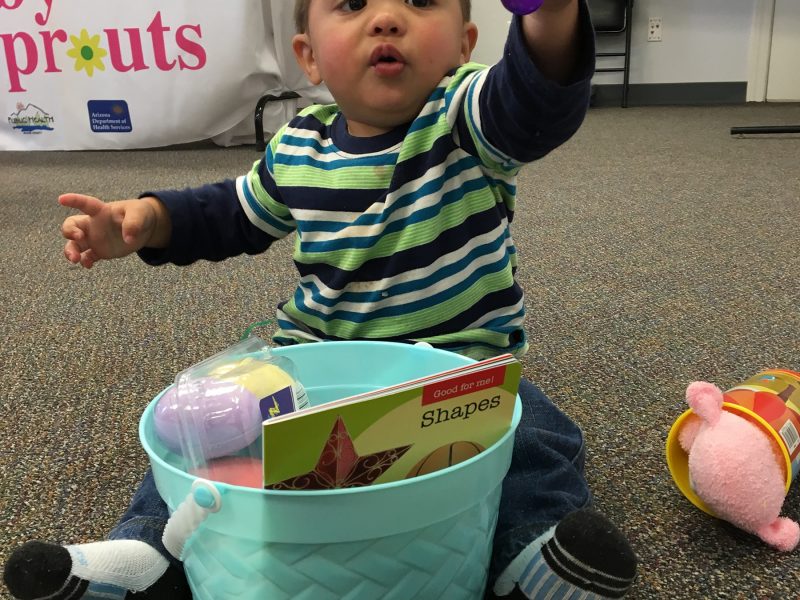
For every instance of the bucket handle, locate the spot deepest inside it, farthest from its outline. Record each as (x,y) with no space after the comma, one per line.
(203,500)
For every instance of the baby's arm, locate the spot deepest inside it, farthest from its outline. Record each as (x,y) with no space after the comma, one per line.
(515,112)
(551,35)
(107,230)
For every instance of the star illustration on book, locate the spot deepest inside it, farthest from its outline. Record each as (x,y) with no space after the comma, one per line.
(340,466)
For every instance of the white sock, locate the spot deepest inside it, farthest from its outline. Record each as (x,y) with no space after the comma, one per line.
(129,564)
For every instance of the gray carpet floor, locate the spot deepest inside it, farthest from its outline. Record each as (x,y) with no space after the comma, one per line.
(655,249)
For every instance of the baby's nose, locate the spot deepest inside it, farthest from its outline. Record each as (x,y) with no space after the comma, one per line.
(387,23)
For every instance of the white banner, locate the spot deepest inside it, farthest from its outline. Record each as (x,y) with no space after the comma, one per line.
(93,74)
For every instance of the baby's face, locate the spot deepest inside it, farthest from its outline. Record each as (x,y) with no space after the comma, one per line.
(381,59)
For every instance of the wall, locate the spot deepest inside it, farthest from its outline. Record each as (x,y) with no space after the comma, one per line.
(784,79)
(703,40)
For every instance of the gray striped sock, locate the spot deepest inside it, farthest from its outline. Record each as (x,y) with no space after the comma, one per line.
(583,558)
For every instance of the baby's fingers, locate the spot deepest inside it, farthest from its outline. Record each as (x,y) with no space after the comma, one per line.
(88,205)
(88,258)
(72,228)
(134,221)
(72,252)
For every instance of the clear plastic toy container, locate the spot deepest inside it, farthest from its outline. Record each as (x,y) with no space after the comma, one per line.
(212,416)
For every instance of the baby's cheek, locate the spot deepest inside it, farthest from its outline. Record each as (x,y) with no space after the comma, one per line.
(337,50)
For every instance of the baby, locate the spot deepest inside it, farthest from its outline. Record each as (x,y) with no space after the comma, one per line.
(401,197)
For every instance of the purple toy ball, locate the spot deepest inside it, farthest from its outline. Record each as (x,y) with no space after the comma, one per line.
(219,418)
(522,7)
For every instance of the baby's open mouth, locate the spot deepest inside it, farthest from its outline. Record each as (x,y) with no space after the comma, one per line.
(387,61)
(386,54)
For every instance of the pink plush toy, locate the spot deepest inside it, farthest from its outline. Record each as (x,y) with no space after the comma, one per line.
(735,467)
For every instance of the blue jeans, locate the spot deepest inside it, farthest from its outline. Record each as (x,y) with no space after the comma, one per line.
(545,483)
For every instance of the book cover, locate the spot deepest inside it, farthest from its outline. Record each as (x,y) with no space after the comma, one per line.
(394,433)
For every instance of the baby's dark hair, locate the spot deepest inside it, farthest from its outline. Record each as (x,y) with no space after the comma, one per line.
(301,13)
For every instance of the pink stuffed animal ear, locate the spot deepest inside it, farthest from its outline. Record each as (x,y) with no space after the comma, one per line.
(706,400)
(689,431)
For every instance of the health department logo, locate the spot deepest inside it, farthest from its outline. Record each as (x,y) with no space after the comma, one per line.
(109,116)
(30,119)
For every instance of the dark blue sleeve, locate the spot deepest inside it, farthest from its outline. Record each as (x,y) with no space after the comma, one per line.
(208,223)
(523,114)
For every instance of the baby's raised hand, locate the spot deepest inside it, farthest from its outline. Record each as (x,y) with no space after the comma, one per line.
(106,230)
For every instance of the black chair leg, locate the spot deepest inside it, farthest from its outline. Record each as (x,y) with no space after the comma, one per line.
(627,70)
(261,145)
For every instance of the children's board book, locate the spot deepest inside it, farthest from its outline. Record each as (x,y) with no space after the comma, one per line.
(393,433)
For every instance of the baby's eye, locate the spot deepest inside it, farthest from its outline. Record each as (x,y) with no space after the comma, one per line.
(353,5)
(419,3)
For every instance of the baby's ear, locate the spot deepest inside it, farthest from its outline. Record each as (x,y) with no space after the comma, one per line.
(468,40)
(304,53)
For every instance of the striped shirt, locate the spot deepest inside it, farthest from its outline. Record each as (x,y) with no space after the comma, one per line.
(404,236)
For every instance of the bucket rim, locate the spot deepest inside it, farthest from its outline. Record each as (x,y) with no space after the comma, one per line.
(311,494)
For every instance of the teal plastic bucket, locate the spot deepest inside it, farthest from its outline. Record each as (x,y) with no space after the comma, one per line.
(429,537)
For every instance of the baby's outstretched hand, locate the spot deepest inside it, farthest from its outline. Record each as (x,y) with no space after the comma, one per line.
(106,230)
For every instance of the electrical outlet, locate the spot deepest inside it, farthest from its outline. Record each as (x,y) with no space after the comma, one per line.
(655,30)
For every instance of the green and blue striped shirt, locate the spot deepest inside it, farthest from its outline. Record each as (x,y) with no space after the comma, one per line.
(404,236)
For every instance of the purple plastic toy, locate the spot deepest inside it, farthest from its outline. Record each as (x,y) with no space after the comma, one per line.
(223,418)
(522,7)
